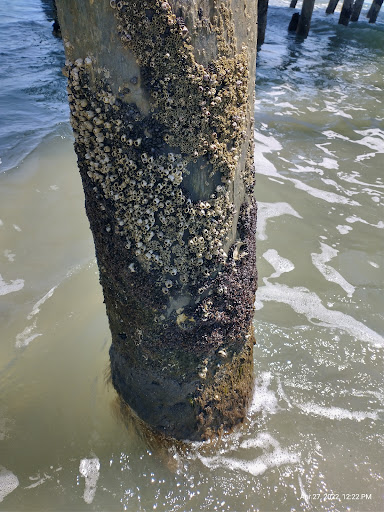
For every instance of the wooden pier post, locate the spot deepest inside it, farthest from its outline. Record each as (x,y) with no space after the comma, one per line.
(293,4)
(162,96)
(305,18)
(356,9)
(331,6)
(346,12)
(374,10)
(262,13)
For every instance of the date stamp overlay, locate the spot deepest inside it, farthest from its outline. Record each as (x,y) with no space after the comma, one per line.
(340,496)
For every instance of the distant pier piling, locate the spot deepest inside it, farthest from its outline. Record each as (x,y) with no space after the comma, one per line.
(346,12)
(304,22)
(262,11)
(331,6)
(293,4)
(356,10)
(374,10)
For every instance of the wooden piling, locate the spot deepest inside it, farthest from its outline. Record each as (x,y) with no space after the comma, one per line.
(305,18)
(293,4)
(356,10)
(346,12)
(262,12)
(162,96)
(331,6)
(374,10)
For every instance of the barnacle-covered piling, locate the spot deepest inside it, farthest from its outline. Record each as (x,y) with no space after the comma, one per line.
(161,96)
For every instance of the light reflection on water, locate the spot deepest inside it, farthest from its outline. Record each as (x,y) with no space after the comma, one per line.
(314,434)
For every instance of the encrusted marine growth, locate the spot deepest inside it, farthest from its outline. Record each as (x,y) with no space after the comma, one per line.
(141,160)
(161,97)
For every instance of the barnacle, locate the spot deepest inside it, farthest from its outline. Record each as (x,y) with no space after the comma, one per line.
(140,162)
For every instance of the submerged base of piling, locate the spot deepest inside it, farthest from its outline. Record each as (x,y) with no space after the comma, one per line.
(185,406)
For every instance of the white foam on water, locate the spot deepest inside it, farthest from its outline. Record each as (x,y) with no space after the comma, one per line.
(16,227)
(36,307)
(343,229)
(14,286)
(304,494)
(38,482)
(23,339)
(263,399)
(90,470)
(330,274)
(330,197)
(352,178)
(269,210)
(286,104)
(282,393)
(269,459)
(264,166)
(8,482)
(331,108)
(330,134)
(372,138)
(355,218)
(9,255)
(336,413)
(327,163)
(338,187)
(268,143)
(307,303)
(280,264)
(365,156)
(302,168)
(326,151)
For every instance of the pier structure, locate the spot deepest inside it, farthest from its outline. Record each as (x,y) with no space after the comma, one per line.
(161,95)
(350,11)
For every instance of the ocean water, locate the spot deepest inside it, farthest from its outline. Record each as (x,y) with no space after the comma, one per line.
(314,436)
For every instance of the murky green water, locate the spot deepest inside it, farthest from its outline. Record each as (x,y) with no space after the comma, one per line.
(314,438)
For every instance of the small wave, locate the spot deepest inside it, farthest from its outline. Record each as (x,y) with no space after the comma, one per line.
(280,264)
(263,399)
(330,274)
(274,456)
(307,303)
(270,210)
(336,413)
(36,307)
(23,339)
